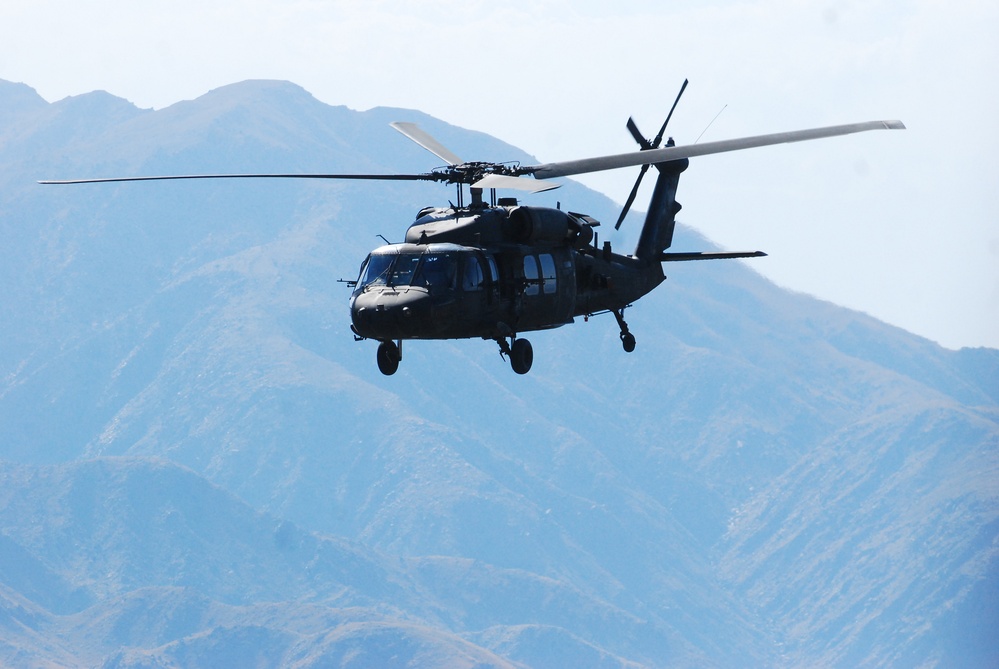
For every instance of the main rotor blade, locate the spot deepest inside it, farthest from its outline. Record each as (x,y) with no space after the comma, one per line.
(424,139)
(571,167)
(515,183)
(366,177)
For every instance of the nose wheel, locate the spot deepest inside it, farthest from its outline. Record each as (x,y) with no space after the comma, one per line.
(520,352)
(389,356)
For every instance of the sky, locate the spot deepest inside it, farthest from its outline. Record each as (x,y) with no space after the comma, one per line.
(902,225)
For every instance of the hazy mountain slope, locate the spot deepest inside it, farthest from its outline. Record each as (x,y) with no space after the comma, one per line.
(186,574)
(856,542)
(763,480)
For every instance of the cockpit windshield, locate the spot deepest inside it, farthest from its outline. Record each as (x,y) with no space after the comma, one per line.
(430,270)
(375,269)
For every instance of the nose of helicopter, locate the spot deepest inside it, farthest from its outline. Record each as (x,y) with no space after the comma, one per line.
(390,314)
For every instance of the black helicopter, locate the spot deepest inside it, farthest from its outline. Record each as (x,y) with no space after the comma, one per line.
(496,270)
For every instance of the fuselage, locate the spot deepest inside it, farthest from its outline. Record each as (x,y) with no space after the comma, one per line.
(491,272)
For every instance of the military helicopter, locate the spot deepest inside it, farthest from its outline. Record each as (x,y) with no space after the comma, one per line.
(499,269)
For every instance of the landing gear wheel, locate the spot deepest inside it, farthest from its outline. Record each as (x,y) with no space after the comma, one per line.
(521,356)
(627,339)
(388,357)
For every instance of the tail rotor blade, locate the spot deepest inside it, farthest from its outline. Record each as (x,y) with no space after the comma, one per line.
(639,137)
(662,130)
(631,198)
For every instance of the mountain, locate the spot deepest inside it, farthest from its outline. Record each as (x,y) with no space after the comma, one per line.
(201,467)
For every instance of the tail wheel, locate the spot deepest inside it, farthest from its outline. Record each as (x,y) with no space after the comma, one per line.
(627,339)
(521,356)
(388,358)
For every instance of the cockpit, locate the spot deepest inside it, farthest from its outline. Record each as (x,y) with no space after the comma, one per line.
(429,270)
(425,291)
(434,267)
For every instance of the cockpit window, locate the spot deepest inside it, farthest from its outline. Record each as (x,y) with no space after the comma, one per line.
(434,270)
(437,270)
(402,271)
(376,269)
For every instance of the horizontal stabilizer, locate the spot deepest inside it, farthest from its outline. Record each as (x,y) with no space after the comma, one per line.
(678,257)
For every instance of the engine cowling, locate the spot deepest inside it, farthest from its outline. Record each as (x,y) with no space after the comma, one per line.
(540,225)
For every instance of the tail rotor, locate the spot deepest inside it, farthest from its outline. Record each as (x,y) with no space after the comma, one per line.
(646,145)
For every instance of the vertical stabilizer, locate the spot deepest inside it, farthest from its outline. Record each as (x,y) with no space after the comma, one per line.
(657,233)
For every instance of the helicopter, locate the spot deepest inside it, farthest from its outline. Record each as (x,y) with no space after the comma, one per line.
(495,270)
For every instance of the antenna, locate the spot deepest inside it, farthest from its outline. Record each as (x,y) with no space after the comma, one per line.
(709,124)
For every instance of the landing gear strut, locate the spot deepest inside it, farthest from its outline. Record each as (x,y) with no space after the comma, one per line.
(627,339)
(520,352)
(389,355)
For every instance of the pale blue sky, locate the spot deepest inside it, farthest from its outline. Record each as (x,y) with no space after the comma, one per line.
(902,225)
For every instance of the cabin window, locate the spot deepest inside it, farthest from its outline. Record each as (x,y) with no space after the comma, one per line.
(548,274)
(531,275)
(472,278)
